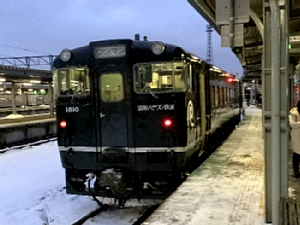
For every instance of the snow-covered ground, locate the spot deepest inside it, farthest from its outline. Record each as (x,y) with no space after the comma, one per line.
(32,192)
(32,189)
(228,188)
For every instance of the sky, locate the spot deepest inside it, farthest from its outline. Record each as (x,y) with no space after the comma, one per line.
(34,27)
(230,182)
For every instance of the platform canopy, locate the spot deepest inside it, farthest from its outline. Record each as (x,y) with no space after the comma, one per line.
(24,75)
(245,35)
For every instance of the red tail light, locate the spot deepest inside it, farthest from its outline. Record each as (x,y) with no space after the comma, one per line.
(167,123)
(63,124)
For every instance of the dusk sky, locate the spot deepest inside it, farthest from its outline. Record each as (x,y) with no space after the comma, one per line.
(35,27)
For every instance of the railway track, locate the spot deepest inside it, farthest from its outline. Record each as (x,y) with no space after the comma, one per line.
(145,215)
(91,214)
(106,207)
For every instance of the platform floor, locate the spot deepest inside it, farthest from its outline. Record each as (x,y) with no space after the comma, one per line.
(228,188)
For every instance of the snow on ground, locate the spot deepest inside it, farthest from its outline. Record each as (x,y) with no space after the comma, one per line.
(32,186)
(228,188)
(32,192)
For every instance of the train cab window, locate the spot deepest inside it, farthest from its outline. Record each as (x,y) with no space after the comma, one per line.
(112,88)
(159,77)
(73,81)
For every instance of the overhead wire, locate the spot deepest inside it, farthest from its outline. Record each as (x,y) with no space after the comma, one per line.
(23,49)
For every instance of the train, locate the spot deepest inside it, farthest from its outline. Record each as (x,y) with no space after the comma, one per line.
(25,95)
(132,115)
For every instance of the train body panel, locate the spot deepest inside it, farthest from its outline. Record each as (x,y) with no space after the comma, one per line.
(133,112)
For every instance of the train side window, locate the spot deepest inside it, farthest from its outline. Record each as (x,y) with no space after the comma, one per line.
(220,96)
(228,96)
(217,97)
(225,95)
(222,99)
(235,95)
(212,94)
(71,81)
(112,88)
(188,75)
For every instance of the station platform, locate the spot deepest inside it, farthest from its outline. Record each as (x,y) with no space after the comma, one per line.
(28,110)
(13,121)
(18,129)
(228,188)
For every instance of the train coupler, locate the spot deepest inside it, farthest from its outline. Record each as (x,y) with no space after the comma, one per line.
(113,179)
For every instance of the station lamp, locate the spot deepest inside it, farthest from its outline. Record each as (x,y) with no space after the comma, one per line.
(35,81)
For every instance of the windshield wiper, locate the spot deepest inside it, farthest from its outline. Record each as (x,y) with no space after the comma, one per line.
(149,90)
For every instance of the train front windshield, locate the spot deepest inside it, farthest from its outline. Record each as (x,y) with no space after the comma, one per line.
(159,77)
(71,81)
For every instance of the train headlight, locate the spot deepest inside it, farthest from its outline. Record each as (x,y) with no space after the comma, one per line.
(158,48)
(63,124)
(65,55)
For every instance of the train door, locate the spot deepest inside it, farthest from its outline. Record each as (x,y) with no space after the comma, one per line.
(191,112)
(203,107)
(111,110)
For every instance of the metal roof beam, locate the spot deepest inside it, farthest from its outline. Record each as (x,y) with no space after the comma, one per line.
(28,61)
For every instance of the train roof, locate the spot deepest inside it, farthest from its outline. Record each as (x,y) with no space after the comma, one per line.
(136,49)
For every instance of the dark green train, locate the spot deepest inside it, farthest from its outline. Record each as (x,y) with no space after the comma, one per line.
(132,115)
